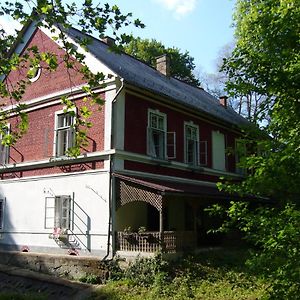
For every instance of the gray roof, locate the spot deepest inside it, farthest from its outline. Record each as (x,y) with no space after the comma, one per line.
(137,73)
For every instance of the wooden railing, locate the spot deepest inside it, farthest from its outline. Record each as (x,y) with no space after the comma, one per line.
(169,241)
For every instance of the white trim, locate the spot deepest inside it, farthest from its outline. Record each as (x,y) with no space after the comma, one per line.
(90,60)
(57,161)
(51,176)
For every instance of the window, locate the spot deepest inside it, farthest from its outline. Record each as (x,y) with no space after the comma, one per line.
(34,73)
(64,133)
(191,133)
(1,214)
(240,154)
(218,151)
(58,212)
(4,150)
(157,134)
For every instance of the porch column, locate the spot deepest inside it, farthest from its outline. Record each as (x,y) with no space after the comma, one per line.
(161,221)
(161,229)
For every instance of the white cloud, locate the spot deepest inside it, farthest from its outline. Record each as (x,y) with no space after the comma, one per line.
(180,8)
(9,25)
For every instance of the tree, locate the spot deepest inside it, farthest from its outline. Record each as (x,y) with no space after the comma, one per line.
(266,57)
(90,18)
(181,64)
(246,101)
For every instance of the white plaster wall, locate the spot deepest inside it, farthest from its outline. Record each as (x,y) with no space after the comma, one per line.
(132,214)
(24,212)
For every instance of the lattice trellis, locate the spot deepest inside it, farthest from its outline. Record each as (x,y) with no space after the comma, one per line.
(130,192)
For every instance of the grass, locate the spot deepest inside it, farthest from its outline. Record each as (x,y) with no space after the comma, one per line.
(213,275)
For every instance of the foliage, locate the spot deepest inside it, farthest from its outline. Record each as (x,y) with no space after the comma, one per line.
(245,99)
(56,16)
(90,278)
(181,64)
(266,59)
(216,274)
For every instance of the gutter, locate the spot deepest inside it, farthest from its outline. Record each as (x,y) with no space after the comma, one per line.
(111,178)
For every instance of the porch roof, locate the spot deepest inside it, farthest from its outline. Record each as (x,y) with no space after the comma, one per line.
(178,188)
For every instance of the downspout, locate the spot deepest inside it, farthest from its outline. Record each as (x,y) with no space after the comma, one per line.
(110,200)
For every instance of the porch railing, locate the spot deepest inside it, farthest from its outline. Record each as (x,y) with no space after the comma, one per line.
(153,241)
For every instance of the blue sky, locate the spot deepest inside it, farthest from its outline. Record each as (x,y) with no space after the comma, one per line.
(201,27)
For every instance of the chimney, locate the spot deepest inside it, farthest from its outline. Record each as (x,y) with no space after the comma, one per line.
(108,41)
(163,64)
(223,101)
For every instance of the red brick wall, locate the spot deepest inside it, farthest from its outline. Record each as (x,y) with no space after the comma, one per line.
(38,142)
(49,82)
(73,168)
(161,170)
(136,118)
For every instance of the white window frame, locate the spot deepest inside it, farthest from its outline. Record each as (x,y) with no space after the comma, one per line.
(70,133)
(196,159)
(54,212)
(4,150)
(2,213)
(150,144)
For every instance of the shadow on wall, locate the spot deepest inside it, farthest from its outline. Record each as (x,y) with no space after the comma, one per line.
(7,241)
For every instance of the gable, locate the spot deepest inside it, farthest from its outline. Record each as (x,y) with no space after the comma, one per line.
(49,82)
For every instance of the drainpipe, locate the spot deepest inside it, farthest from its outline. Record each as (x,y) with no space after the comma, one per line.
(111,179)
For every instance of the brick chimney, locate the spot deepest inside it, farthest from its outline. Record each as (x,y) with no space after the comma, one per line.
(163,64)
(108,41)
(223,101)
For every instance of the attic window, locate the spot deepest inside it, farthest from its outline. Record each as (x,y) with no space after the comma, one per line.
(34,73)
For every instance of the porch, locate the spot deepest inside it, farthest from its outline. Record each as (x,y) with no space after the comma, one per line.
(151,242)
(165,216)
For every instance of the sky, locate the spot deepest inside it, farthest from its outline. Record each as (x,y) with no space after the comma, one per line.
(201,27)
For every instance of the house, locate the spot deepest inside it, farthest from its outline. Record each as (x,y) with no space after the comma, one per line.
(156,150)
